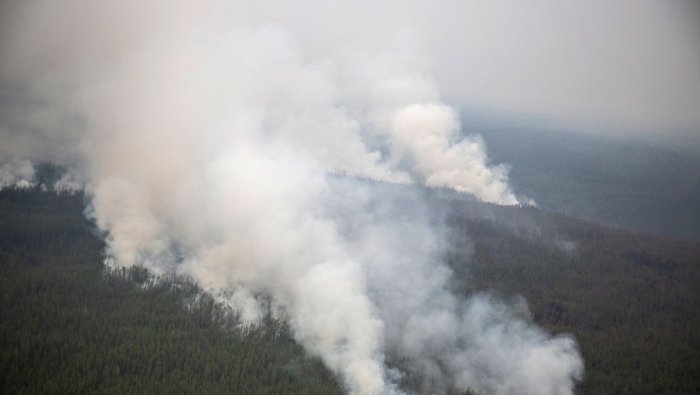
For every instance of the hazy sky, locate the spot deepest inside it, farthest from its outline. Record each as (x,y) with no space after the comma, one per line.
(634,64)
(624,65)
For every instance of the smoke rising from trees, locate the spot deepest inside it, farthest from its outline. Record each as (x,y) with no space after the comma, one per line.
(206,132)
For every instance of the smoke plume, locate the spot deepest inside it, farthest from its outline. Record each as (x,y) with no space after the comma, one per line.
(207,135)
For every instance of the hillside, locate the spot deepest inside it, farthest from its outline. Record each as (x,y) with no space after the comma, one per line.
(632,302)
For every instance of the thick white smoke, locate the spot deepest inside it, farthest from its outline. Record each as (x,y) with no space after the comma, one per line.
(206,131)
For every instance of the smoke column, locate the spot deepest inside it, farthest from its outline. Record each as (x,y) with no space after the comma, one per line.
(206,132)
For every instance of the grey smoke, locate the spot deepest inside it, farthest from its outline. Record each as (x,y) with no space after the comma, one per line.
(16,173)
(211,128)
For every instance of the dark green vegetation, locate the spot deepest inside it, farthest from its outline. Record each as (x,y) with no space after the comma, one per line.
(632,302)
(66,326)
(625,184)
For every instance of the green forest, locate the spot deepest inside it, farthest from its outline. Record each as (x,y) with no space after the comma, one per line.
(632,301)
(67,325)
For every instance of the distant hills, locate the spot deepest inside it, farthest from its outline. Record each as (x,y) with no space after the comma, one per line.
(612,181)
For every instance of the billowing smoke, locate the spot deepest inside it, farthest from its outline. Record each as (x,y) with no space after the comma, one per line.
(209,136)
